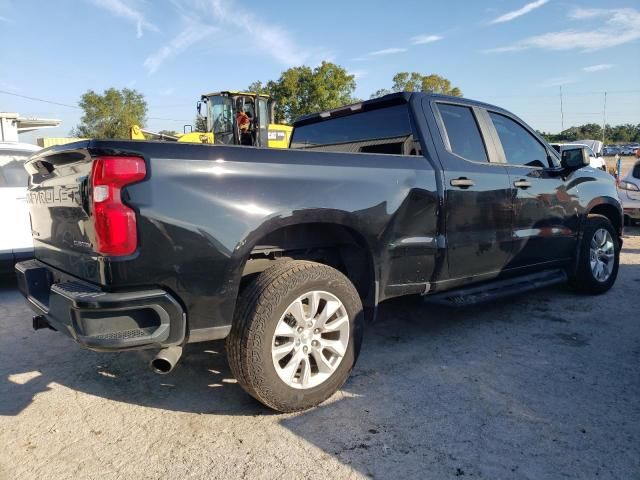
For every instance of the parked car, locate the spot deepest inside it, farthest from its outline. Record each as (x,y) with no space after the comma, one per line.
(611,151)
(594,160)
(596,146)
(15,241)
(628,150)
(287,253)
(629,190)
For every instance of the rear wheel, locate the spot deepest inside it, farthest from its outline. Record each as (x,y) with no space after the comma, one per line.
(296,335)
(599,257)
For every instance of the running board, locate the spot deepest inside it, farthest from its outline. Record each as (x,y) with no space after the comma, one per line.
(487,292)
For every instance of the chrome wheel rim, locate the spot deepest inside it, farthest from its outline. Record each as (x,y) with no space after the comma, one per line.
(602,255)
(310,339)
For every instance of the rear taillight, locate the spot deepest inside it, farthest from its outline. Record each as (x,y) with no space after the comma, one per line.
(115,223)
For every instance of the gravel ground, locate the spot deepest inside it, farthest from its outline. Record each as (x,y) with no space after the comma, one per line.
(541,386)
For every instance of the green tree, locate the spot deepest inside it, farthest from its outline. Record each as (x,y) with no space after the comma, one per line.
(200,124)
(618,133)
(417,82)
(111,114)
(407,82)
(303,90)
(380,93)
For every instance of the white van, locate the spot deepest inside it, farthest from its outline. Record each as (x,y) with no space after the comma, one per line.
(15,227)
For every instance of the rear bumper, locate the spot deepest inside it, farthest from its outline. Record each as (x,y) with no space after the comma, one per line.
(99,320)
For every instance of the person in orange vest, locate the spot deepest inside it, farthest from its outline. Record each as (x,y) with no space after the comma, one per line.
(244,123)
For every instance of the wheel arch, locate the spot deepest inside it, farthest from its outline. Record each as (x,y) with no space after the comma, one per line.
(609,208)
(330,239)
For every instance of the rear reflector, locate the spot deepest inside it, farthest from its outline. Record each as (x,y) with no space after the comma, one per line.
(115,223)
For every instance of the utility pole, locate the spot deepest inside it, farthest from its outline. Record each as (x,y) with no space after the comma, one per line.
(561,112)
(604,116)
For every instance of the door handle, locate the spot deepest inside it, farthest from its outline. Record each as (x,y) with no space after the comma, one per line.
(462,182)
(521,184)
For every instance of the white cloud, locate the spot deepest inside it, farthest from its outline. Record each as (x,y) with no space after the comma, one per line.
(192,33)
(120,9)
(598,68)
(257,32)
(507,17)
(422,39)
(582,13)
(386,51)
(616,27)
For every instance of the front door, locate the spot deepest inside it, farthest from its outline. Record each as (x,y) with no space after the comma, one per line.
(545,221)
(263,122)
(478,197)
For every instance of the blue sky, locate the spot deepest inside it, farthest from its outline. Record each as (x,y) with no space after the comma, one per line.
(512,53)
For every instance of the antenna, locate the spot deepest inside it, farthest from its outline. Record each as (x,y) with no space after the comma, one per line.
(604,116)
(561,112)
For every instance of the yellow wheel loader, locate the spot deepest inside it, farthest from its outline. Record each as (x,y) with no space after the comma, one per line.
(232,118)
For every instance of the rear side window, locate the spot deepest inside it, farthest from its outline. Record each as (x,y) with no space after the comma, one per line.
(384,130)
(520,147)
(463,132)
(12,172)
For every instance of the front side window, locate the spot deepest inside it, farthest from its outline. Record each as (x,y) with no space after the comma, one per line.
(463,132)
(12,172)
(520,147)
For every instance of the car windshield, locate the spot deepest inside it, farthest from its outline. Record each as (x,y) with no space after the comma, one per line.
(12,172)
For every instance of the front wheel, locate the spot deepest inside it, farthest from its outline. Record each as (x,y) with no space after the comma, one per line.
(296,335)
(599,258)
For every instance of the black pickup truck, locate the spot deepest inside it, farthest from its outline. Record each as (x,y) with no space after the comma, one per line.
(287,253)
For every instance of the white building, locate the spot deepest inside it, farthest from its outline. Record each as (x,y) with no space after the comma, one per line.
(11,124)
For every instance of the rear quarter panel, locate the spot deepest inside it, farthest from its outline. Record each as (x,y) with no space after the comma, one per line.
(205,207)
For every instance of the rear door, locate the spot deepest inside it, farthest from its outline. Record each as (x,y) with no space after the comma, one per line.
(545,220)
(477,193)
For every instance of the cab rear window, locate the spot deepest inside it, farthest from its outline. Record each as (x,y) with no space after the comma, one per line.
(385,130)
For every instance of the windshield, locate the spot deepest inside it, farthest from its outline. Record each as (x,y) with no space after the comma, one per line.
(221,115)
(12,172)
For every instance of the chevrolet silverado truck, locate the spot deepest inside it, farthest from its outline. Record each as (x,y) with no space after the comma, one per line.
(287,253)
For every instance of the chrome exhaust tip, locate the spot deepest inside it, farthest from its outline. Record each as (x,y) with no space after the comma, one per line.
(165,360)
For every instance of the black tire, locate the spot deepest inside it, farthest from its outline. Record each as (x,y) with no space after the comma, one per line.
(259,309)
(584,279)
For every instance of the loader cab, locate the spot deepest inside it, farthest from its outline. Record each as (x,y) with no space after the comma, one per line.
(223,109)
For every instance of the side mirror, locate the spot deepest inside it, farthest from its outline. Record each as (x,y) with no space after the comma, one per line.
(573,158)
(199,108)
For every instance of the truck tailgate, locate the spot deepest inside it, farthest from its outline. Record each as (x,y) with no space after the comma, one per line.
(62,207)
